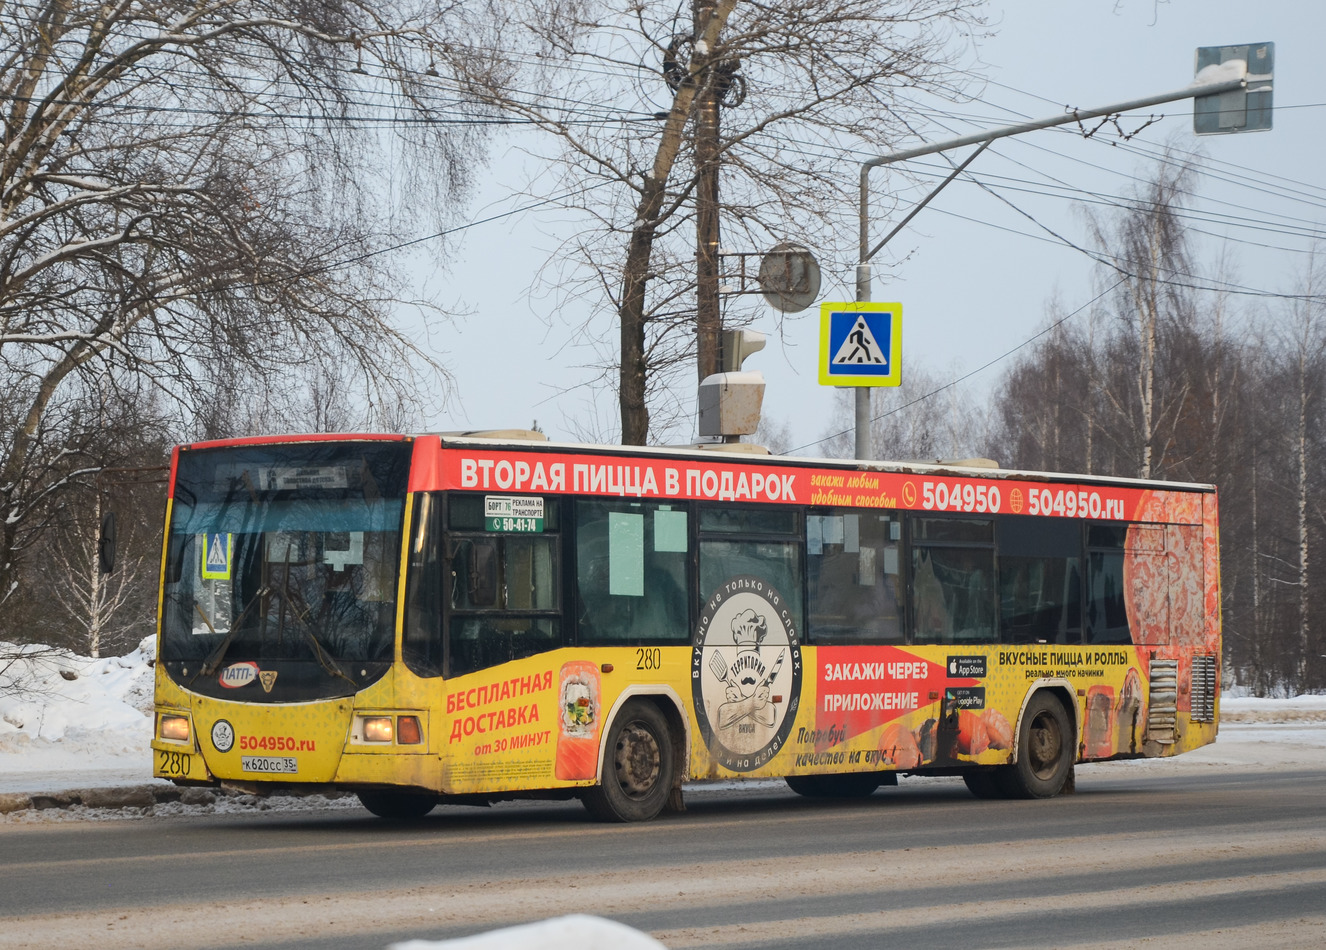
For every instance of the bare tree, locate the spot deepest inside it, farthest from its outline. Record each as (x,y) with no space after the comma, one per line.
(1044,407)
(193,194)
(1305,364)
(926,419)
(795,84)
(1148,248)
(99,602)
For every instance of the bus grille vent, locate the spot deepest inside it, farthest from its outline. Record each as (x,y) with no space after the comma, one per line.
(1163,712)
(1203,688)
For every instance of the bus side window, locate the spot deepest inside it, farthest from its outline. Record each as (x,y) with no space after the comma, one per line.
(853,576)
(504,602)
(481,572)
(425,588)
(631,572)
(1107,613)
(474,565)
(953,591)
(767,543)
(1040,579)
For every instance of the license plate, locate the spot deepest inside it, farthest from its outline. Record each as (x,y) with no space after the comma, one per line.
(269,763)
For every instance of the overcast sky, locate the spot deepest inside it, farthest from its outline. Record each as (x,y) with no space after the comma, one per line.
(974,273)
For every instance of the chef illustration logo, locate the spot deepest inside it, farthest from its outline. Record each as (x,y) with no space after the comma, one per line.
(746,672)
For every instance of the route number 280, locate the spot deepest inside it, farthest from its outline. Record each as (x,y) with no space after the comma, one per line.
(174,763)
(648,658)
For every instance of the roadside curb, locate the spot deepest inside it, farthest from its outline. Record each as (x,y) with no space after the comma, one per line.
(120,797)
(1273,717)
(126,796)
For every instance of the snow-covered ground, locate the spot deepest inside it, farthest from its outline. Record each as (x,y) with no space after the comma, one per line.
(68,721)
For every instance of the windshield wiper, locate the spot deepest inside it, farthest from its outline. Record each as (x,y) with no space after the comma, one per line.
(217,655)
(301,611)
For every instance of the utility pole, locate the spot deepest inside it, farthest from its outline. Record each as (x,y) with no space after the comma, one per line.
(708,319)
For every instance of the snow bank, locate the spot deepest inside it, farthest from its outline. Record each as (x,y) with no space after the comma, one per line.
(573,932)
(1309,708)
(64,712)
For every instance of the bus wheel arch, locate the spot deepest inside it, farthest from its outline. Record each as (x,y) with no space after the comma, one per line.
(640,763)
(1045,745)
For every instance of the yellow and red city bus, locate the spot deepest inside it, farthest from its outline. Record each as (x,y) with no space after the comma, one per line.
(463,619)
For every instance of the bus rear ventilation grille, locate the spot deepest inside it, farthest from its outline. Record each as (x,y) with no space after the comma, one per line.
(1163,711)
(1203,688)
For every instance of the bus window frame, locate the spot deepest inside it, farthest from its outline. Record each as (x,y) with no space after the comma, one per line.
(897,516)
(796,536)
(572,617)
(1088,549)
(911,544)
(1080,524)
(500,612)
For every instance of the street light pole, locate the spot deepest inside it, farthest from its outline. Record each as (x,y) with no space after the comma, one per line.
(983,139)
(863,392)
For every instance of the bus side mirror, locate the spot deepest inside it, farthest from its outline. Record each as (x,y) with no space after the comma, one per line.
(174,567)
(106,544)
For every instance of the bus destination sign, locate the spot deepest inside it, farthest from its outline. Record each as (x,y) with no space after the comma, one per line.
(517,513)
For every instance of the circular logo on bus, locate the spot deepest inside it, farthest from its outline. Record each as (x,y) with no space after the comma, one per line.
(223,735)
(746,673)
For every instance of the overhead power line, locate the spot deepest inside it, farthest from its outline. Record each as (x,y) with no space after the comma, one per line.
(966,376)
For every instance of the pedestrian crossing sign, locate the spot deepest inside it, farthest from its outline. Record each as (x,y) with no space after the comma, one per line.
(860,344)
(218,547)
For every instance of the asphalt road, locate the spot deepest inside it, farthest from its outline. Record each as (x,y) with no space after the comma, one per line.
(1138,857)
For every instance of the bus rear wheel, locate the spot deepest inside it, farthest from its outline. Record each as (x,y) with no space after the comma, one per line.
(398,806)
(1045,751)
(850,785)
(639,766)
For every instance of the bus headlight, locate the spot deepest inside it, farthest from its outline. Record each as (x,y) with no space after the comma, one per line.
(175,728)
(377,729)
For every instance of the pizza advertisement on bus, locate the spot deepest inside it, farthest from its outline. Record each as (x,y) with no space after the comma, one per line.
(746,673)
(472,618)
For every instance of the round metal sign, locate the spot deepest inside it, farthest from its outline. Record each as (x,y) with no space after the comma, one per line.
(789,277)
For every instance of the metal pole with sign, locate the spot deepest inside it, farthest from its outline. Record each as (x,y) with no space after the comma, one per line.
(861,346)
(1232,93)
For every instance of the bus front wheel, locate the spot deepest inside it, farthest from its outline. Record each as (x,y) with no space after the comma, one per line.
(1045,751)
(398,806)
(639,766)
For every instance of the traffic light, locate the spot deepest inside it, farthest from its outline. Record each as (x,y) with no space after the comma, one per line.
(735,346)
(730,400)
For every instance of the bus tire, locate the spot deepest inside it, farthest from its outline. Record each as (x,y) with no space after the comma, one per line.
(850,785)
(984,783)
(1045,751)
(398,806)
(639,766)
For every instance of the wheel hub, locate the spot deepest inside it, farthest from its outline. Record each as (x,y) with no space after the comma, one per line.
(1045,746)
(639,761)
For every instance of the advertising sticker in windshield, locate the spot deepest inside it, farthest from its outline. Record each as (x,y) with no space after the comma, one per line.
(517,513)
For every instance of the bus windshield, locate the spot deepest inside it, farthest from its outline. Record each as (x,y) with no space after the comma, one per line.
(281,570)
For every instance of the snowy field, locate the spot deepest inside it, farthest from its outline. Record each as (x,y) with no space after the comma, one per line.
(68,721)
